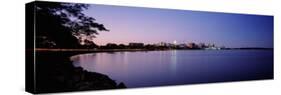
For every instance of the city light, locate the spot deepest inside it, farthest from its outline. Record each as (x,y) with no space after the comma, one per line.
(175,42)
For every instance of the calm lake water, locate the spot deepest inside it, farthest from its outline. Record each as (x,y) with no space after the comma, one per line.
(156,68)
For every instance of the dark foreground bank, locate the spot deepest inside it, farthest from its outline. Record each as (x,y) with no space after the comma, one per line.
(55,73)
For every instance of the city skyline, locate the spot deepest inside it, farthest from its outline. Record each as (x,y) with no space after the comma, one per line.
(151,25)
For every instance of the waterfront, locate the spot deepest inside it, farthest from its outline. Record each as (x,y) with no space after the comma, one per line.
(173,67)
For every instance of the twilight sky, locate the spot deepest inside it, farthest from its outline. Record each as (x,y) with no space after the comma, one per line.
(151,25)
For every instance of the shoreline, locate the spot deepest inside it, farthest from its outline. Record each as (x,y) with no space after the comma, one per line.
(120,50)
(72,52)
(56,73)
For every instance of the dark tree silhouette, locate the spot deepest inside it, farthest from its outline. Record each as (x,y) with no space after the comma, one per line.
(89,44)
(60,25)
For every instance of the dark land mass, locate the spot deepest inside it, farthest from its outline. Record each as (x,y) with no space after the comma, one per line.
(55,73)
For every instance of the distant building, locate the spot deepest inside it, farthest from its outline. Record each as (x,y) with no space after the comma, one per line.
(201,45)
(192,45)
(182,46)
(136,45)
(170,45)
(211,45)
(162,44)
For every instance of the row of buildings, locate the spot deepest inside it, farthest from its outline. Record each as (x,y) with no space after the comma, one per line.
(189,45)
(161,45)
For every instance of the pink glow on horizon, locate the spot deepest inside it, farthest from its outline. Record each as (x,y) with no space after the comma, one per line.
(150,26)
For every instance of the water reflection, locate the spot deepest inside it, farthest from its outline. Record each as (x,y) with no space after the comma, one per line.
(174,61)
(154,68)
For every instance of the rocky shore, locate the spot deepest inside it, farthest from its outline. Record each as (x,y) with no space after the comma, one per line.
(55,73)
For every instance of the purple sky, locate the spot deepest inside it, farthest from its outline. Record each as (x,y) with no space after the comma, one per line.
(150,25)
